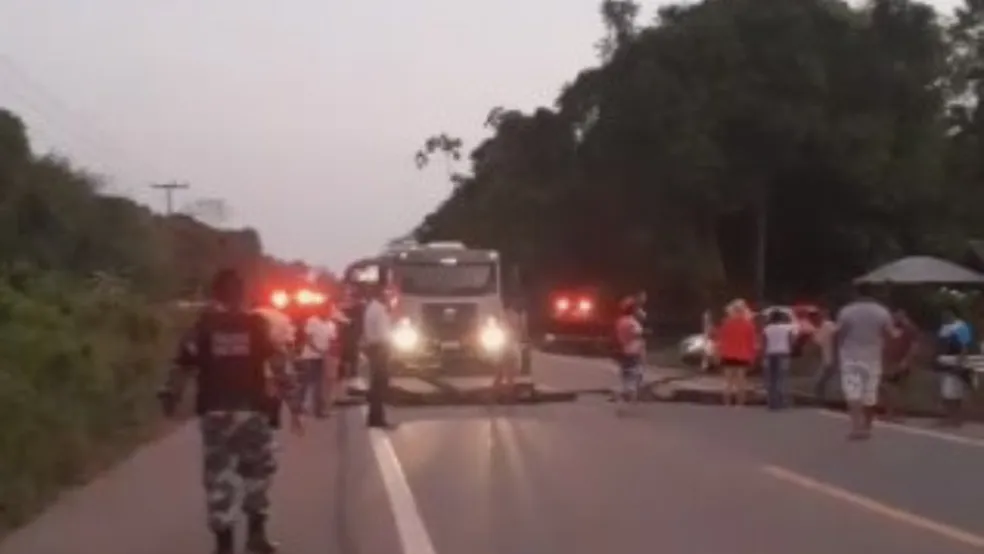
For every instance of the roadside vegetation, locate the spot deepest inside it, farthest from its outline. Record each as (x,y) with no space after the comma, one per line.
(88,317)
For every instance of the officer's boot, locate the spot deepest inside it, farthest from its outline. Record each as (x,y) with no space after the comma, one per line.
(223,542)
(256,538)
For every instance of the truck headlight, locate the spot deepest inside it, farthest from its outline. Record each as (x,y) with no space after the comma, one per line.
(405,337)
(492,336)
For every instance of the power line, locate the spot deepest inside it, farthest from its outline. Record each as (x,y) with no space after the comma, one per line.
(169,189)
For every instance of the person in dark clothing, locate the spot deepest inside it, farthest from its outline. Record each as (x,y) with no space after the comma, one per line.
(350,337)
(229,349)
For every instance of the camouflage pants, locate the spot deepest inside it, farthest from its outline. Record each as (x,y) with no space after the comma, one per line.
(238,449)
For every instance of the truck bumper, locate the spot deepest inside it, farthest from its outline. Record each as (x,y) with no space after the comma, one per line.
(458,364)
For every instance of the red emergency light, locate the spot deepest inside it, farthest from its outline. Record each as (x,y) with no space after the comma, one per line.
(307,297)
(281,299)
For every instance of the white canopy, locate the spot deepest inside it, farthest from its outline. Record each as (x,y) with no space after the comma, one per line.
(916,270)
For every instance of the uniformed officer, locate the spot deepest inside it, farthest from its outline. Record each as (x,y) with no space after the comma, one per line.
(231,349)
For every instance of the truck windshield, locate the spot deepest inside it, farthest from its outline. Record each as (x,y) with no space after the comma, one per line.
(446,280)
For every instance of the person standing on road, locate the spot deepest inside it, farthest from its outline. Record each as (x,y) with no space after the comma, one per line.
(504,384)
(824,337)
(900,353)
(708,358)
(955,342)
(631,350)
(351,335)
(230,349)
(317,336)
(863,326)
(333,365)
(737,341)
(778,336)
(376,337)
(282,335)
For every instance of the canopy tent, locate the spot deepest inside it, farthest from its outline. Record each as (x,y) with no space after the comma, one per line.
(922,270)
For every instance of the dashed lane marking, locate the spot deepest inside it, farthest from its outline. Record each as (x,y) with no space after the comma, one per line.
(896,514)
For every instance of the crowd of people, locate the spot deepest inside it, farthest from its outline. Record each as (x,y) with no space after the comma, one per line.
(249,361)
(872,348)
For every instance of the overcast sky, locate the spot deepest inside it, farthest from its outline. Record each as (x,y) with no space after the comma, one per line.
(303,115)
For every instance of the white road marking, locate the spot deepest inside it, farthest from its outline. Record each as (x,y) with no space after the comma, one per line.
(949,437)
(899,515)
(409,524)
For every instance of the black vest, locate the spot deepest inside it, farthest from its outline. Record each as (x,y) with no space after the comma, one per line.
(231,350)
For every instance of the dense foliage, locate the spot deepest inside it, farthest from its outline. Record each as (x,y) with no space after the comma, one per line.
(761,147)
(86,318)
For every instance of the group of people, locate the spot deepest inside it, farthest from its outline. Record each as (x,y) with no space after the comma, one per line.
(874,351)
(247,368)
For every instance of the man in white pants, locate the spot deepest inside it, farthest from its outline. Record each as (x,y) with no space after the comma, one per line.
(862,328)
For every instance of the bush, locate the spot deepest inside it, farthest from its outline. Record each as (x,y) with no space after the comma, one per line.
(83,331)
(81,365)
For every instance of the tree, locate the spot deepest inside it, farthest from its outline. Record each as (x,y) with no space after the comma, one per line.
(449,147)
(54,217)
(211,211)
(619,17)
(728,141)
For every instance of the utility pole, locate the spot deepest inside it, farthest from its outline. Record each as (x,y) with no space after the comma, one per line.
(169,189)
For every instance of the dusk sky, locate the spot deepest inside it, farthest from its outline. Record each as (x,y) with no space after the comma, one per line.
(302,115)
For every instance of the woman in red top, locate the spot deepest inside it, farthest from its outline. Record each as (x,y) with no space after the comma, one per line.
(737,342)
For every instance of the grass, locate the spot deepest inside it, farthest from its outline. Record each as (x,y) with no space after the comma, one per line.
(77,386)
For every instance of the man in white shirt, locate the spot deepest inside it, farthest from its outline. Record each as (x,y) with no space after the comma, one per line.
(862,328)
(319,331)
(778,336)
(375,338)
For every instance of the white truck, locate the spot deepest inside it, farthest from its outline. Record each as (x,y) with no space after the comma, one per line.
(449,314)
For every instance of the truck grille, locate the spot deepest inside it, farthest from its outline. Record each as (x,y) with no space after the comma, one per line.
(449,322)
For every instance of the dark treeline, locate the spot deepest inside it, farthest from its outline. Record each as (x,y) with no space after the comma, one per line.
(730,139)
(53,218)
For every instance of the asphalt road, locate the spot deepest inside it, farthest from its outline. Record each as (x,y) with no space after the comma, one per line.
(567,478)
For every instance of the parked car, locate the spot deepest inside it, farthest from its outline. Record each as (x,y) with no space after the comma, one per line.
(695,348)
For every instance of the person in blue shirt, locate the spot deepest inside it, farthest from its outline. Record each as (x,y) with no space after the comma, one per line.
(955,340)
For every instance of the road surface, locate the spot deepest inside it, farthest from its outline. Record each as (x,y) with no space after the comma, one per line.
(566,478)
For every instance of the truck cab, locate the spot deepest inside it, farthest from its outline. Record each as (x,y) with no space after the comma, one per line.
(449,313)
(448,310)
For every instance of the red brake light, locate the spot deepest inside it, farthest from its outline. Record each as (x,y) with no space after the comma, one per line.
(585,305)
(279,299)
(562,304)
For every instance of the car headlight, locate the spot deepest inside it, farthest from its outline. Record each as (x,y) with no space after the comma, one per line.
(694,345)
(405,337)
(492,336)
